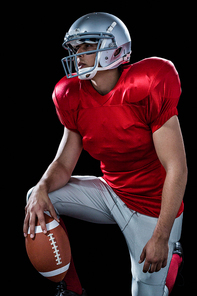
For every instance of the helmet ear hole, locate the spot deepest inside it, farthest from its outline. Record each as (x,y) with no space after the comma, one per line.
(117,52)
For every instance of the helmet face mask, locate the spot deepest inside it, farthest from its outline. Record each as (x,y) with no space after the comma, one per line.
(71,60)
(107,56)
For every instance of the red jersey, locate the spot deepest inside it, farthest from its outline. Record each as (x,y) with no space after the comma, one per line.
(117,128)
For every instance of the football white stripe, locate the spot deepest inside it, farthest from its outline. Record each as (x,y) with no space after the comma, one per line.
(51,225)
(56,271)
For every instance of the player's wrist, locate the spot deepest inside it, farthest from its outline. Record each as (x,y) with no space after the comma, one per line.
(41,187)
(161,235)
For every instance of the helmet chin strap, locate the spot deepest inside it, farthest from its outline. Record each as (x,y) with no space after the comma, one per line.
(87,76)
(93,72)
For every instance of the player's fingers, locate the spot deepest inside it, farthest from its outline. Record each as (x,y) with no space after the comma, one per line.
(142,256)
(146,266)
(26,225)
(32,222)
(164,263)
(42,222)
(152,268)
(159,265)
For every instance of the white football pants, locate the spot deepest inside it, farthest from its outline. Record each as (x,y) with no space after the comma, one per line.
(91,199)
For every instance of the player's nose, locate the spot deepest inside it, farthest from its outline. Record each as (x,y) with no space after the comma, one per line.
(80,49)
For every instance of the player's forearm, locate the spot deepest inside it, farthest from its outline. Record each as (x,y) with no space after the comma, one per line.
(172,196)
(55,177)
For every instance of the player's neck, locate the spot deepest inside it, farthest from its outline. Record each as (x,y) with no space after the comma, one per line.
(105,81)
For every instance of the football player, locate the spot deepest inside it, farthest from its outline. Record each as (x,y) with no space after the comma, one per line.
(124,115)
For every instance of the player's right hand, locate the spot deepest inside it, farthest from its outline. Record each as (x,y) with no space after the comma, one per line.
(37,204)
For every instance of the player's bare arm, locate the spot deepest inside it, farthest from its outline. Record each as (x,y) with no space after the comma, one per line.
(56,176)
(170,150)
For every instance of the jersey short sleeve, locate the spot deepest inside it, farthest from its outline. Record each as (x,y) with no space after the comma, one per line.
(63,99)
(165,92)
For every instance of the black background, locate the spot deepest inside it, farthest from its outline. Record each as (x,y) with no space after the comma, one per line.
(34,132)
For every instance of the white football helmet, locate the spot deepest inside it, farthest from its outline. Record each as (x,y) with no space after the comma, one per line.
(103,29)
